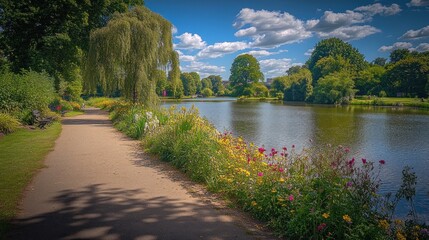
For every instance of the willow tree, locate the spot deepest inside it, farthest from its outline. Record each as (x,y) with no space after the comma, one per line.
(126,53)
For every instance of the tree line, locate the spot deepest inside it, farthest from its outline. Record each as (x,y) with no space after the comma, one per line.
(335,73)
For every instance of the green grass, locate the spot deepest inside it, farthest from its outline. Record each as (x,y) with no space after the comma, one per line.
(391,101)
(73,113)
(21,155)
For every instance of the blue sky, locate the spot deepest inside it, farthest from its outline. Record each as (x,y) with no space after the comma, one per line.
(280,33)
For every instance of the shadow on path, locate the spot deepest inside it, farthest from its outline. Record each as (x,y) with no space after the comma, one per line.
(95,212)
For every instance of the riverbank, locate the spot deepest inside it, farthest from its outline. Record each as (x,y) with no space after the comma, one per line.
(390,101)
(22,155)
(271,185)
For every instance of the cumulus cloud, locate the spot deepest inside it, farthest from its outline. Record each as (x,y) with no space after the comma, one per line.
(185,58)
(276,67)
(346,25)
(418,3)
(269,28)
(203,69)
(263,53)
(422,47)
(377,8)
(416,34)
(219,49)
(397,45)
(190,41)
(351,32)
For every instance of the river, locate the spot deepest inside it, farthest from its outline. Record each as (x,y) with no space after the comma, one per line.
(400,136)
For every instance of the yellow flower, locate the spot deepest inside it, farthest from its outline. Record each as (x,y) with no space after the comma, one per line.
(281,180)
(384,224)
(325,215)
(254,203)
(347,218)
(273,190)
(399,236)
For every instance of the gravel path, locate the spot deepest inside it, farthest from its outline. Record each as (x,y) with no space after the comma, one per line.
(99,185)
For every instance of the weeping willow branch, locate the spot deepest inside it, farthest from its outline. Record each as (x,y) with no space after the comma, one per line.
(126,53)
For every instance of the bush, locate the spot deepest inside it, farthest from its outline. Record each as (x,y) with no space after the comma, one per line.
(22,93)
(207,92)
(101,102)
(8,124)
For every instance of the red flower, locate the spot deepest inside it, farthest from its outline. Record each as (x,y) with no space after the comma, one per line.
(293,146)
(261,150)
(281,170)
(363,160)
(58,108)
(260,174)
(321,227)
(284,149)
(291,198)
(382,162)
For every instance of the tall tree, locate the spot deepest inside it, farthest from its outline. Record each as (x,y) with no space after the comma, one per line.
(126,53)
(379,61)
(399,54)
(189,84)
(368,81)
(301,88)
(337,87)
(206,83)
(409,76)
(53,35)
(244,71)
(335,47)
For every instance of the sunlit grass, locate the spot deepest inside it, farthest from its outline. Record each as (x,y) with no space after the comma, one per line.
(21,155)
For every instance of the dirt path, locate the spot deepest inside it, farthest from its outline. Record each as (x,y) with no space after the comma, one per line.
(99,185)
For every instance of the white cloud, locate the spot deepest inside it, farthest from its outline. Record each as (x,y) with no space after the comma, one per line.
(418,3)
(397,45)
(203,69)
(350,33)
(219,49)
(185,58)
(377,8)
(190,41)
(346,26)
(173,29)
(309,52)
(263,53)
(276,67)
(422,47)
(416,34)
(270,28)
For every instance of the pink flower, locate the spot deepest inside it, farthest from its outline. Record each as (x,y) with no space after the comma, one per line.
(347,150)
(282,154)
(363,160)
(382,162)
(293,146)
(281,170)
(261,150)
(273,149)
(260,174)
(284,148)
(291,198)
(321,227)
(351,162)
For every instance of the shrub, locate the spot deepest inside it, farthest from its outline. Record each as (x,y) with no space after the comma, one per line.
(22,93)
(8,124)
(207,92)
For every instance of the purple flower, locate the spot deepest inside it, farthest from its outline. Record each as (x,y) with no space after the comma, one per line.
(349,184)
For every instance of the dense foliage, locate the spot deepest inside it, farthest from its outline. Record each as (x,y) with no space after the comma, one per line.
(22,93)
(126,53)
(245,70)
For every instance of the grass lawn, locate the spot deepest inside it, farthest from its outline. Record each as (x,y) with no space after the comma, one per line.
(21,155)
(391,101)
